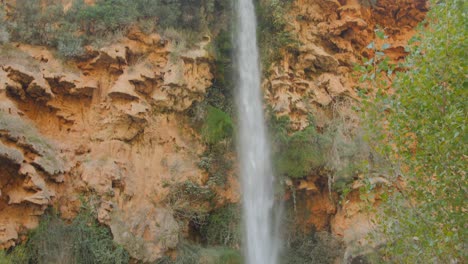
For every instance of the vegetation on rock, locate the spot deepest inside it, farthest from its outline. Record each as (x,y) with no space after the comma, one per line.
(298,154)
(223,227)
(82,241)
(190,253)
(217,126)
(420,129)
(82,24)
(16,129)
(307,246)
(273,34)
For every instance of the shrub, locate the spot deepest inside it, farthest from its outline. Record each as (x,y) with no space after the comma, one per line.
(190,201)
(4,35)
(302,152)
(420,129)
(307,246)
(82,241)
(34,23)
(217,163)
(312,248)
(273,34)
(220,95)
(334,152)
(217,126)
(223,227)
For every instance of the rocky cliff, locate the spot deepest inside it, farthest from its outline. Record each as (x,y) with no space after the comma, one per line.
(316,78)
(112,125)
(108,125)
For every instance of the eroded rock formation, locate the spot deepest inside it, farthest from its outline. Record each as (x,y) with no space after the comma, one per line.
(317,78)
(109,125)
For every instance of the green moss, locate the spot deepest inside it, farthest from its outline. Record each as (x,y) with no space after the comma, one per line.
(18,255)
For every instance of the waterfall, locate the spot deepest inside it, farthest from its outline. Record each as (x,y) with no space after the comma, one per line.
(261,245)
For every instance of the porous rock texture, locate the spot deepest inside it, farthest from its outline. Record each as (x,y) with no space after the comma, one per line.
(112,124)
(316,78)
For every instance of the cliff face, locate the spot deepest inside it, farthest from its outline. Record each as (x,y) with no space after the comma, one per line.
(109,125)
(317,79)
(113,125)
(333,36)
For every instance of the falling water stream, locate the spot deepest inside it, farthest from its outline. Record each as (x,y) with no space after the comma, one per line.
(260,241)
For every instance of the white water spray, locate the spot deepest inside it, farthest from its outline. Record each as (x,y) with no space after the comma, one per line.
(261,244)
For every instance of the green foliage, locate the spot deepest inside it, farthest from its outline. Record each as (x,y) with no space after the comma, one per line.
(220,94)
(217,162)
(4,35)
(421,131)
(298,154)
(190,201)
(222,227)
(307,246)
(273,34)
(217,129)
(312,248)
(68,31)
(302,153)
(82,241)
(18,255)
(217,126)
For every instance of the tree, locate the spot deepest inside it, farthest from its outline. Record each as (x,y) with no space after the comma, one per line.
(423,131)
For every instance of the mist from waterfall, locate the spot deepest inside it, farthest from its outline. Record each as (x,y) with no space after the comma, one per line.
(260,241)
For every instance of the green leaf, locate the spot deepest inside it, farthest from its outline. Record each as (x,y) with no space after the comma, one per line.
(380,34)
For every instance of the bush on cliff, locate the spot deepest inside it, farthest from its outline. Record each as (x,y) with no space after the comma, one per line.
(217,126)
(223,227)
(82,241)
(421,131)
(82,24)
(273,34)
(4,35)
(297,154)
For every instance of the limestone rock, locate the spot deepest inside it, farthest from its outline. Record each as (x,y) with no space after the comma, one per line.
(8,236)
(146,233)
(332,84)
(114,114)
(11,154)
(123,89)
(99,175)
